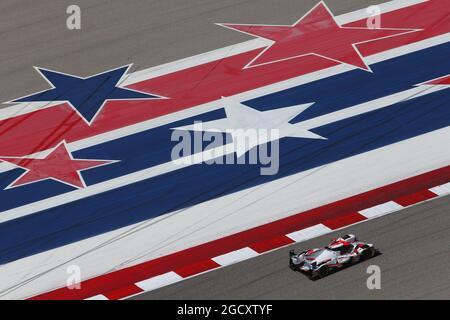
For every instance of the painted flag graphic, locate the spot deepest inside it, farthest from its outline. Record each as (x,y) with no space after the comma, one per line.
(87,174)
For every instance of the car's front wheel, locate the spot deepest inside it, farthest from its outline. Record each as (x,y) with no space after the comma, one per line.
(367,254)
(292,266)
(323,272)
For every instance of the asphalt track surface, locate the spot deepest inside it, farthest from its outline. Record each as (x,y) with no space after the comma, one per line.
(414,264)
(415,260)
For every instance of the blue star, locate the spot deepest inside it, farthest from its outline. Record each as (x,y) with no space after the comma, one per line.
(86,95)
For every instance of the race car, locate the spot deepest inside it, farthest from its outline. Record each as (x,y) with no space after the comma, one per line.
(341,252)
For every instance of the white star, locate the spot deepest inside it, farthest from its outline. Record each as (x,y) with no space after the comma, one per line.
(242,118)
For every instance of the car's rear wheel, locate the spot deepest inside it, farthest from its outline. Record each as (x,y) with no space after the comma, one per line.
(293,266)
(324,271)
(349,262)
(368,253)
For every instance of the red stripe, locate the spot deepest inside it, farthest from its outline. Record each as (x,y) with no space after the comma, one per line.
(187,88)
(123,292)
(440,81)
(415,198)
(271,244)
(243,239)
(344,220)
(197,268)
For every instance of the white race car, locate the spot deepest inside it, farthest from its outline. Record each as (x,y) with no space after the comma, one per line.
(341,252)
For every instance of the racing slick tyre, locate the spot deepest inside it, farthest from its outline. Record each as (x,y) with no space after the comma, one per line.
(292,266)
(349,262)
(323,272)
(367,254)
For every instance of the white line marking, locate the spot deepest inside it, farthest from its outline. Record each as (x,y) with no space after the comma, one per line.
(309,233)
(235,256)
(368,107)
(253,63)
(381,209)
(384,7)
(159,281)
(441,190)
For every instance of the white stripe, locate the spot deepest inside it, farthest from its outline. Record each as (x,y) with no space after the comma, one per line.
(309,233)
(381,209)
(159,281)
(369,106)
(97,297)
(235,256)
(441,190)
